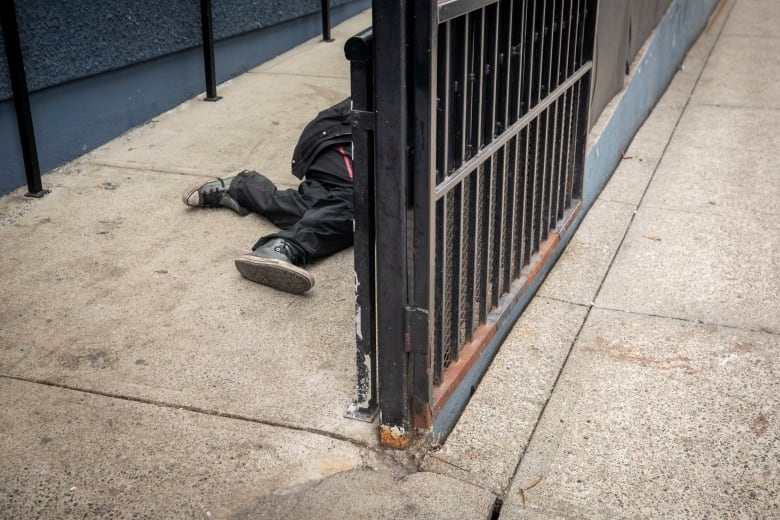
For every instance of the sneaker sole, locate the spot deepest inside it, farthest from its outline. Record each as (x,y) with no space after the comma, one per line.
(275,273)
(186,194)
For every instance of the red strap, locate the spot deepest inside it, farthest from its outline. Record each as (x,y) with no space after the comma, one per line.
(347,162)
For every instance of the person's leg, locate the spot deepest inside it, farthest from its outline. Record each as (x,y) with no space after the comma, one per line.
(277,259)
(324,229)
(257,193)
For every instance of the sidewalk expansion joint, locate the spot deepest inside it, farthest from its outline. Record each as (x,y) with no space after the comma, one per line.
(690,320)
(562,300)
(299,75)
(614,257)
(198,410)
(146,168)
(755,212)
(763,108)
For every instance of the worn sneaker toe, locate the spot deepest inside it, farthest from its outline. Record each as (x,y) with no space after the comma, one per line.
(191,196)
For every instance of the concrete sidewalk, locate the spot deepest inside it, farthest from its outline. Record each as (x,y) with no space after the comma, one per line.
(143,377)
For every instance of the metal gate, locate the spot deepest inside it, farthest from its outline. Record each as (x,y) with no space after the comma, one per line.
(473,144)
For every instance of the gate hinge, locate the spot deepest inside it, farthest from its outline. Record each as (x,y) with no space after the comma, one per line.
(363,120)
(416,330)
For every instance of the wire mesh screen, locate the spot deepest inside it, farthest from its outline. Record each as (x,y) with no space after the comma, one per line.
(512,94)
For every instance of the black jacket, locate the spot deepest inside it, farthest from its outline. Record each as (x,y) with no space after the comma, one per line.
(332,126)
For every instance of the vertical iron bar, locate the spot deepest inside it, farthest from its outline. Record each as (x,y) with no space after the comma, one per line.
(555,67)
(522,145)
(510,170)
(572,108)
(469,192)
(443,101)
(13,50)
(510,217)
(326,21)
(566,112)
(424,57)
(468,86)
(444,136)
(521,197)
(579,32)
(358,51)
(391,165)
(207,29)
(544,89)
(489,68)
(533,140)
(587,34)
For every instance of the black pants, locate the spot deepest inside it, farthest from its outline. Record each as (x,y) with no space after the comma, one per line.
(317,217)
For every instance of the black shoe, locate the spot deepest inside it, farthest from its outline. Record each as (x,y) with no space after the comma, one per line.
(212,193)
(274,264)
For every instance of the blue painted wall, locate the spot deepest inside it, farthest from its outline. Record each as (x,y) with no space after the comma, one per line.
(96,69)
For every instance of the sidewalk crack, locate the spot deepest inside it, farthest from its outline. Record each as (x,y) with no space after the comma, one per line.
(198,410)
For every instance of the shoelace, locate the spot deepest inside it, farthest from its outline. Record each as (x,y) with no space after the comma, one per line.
(212,196)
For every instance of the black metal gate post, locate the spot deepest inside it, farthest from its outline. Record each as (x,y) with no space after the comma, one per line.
(13,50)
(359,51)
(207,29)
(391,163)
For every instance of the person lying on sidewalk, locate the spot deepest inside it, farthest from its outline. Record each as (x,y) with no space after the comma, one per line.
(315,220)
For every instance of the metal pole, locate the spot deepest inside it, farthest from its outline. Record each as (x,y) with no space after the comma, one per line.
(207,28)
(326,21)
(391,184)
(13,52)
(359,50)
(424,53)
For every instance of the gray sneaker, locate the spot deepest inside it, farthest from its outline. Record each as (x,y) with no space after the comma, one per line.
(212,193)
(273,264)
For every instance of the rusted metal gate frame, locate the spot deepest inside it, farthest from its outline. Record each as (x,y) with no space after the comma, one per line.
(510,291)
(403,123)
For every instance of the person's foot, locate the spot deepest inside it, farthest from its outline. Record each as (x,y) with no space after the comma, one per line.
(274,264)
(212,193)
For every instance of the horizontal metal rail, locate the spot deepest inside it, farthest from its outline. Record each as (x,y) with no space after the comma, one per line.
(449,9)
(488,151)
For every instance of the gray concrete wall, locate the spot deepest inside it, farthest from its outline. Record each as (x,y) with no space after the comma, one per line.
(94,74)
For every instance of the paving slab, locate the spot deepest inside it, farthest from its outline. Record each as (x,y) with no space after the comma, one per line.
(697,266)
(743,71)
(368,493)
(753,18)
(630,179)
(254,126)
(729,182)
(652,137)
(579,271)
(69,454)
(653,418)
(111,284)
(489,438)
(732,128)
